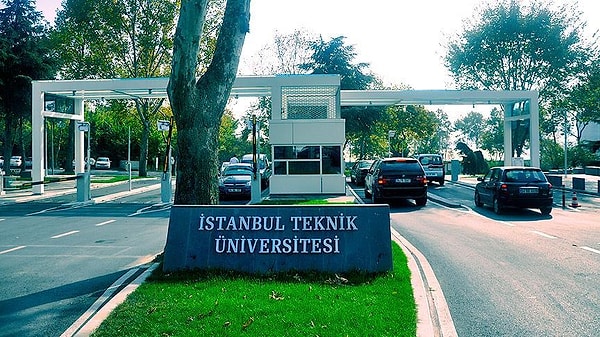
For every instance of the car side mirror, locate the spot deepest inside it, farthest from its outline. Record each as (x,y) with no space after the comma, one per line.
(480,178)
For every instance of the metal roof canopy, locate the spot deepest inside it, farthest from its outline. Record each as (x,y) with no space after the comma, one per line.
(257,86)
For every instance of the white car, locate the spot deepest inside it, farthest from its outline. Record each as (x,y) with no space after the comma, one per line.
(16,161)
(102,163)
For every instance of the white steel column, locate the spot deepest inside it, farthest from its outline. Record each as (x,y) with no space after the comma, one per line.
(534,131)
(37,138)
(508,134)
(79,139)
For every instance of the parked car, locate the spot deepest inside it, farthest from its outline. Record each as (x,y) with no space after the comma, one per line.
(396,178)
(359,170)
(92,162)
(236,181)
(433,165)
(102,163)
(514,186)
(264,166)
(16,161)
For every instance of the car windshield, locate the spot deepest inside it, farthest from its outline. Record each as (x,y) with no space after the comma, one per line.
(524,175)
(431,160)
(235,171)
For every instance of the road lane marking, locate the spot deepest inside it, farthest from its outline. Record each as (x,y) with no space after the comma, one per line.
(473,212)
(591,249)
(2,219)
(105,223)
(544,234)
(11,250)
(64,234)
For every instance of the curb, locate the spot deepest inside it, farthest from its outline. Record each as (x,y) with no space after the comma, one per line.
(99,311)
(433,314)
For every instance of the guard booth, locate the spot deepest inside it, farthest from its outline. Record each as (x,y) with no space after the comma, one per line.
(307,134)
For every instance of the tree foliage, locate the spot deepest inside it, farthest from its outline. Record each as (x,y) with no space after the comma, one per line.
(511,45)
(583,101)
(413,125)
(335,57)
(25,55)
(286,54)
(125,39)
(471,126)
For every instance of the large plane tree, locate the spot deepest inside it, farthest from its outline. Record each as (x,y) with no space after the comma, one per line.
(198,103)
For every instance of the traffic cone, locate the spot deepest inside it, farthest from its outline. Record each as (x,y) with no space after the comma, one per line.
(574,202)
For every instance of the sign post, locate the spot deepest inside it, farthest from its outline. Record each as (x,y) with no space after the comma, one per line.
(165,185)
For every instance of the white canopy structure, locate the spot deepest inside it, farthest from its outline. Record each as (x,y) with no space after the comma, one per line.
(256,86)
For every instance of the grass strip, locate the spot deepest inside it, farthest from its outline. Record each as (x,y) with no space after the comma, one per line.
(213,303)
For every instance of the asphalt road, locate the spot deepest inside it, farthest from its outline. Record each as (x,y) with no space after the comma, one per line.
(56,259)
(515,274)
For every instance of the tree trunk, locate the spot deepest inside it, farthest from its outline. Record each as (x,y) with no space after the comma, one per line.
(198,104)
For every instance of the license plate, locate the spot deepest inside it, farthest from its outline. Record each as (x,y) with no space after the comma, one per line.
(403,181)
(528,190)
(234,190)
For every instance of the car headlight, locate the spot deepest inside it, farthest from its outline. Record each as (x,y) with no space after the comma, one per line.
(249,183)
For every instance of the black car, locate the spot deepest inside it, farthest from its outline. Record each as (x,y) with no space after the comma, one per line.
(359,171)
(236,181)
(396,178)
(264,167)
(512,186)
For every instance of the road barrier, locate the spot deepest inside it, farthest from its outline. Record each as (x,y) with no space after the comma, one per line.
(574,202)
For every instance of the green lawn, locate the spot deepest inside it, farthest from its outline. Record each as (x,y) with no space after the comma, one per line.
(290,304)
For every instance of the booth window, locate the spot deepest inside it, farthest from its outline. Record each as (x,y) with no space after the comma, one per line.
(295,160)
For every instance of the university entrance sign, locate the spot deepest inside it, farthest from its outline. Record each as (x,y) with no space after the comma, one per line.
(263,239)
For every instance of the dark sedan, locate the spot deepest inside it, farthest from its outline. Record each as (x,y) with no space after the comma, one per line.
(236,181)
(396,178)
(359,171)
(516,187)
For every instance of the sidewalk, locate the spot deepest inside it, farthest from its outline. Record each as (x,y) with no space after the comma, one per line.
(66,190)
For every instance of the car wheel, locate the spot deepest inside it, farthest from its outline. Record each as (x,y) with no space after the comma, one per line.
(367,194)
(497,206)
(546,210)
(421,201)
(477,199)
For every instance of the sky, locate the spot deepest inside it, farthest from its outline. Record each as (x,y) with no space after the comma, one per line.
(401,40)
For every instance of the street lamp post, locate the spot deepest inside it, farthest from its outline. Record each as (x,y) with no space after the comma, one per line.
(166,185)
